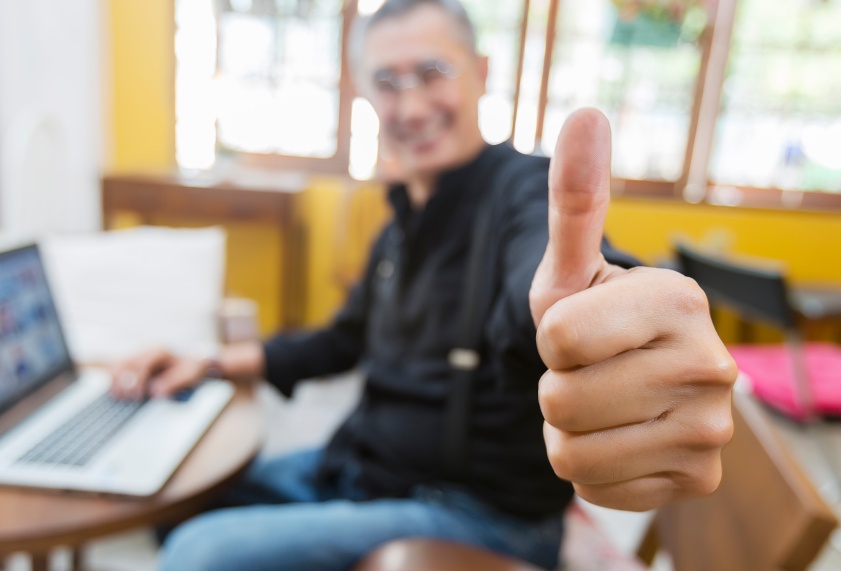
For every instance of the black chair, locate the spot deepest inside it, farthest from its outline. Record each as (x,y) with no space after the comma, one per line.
(802,380)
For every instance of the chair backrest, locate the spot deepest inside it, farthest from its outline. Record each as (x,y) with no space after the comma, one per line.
(759,294)
(766,515)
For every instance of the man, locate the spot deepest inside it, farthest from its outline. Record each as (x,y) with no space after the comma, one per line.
(636,399)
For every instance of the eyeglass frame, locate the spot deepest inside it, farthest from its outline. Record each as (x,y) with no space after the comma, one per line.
(399,82)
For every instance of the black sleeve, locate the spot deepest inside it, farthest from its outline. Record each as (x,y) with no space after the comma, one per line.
(291,357)
(511,332)
(525,234)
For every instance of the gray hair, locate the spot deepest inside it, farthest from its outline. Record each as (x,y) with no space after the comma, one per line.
(396,8)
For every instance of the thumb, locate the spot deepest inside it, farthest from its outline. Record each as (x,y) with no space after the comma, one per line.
(579,194)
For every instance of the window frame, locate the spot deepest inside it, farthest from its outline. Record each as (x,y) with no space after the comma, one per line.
(694,184)
(339,161)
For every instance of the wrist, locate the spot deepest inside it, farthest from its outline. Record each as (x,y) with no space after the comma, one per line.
(213,368)
(238,361)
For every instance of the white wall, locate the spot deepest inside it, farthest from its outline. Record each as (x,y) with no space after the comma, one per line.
(50,116)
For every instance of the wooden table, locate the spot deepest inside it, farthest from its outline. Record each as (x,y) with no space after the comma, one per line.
(36,521)
(239,195)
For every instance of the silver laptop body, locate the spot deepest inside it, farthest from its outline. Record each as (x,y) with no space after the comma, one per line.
(82,439)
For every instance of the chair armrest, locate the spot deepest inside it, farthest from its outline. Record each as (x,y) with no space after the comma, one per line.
(437,555)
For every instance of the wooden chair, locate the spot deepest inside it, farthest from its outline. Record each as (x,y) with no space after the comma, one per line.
(437,555)
(766,515)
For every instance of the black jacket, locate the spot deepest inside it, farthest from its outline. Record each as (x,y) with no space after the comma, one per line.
(400,323)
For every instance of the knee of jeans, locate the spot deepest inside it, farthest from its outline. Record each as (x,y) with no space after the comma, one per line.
(200,544)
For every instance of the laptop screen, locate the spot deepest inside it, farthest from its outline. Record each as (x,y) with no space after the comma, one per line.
(32,347)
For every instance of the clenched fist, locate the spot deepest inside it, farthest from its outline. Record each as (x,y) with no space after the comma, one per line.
(638,392)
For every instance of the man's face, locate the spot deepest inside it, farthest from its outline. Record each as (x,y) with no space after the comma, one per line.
(424,82)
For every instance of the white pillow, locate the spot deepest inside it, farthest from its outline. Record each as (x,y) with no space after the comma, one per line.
(124,291)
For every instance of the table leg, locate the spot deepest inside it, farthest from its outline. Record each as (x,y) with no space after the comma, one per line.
(76,559)
(293,272)
(40,561)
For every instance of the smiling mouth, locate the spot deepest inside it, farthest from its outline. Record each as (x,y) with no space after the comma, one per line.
(423,138)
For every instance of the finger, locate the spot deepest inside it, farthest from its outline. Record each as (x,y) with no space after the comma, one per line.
(641,308)
(186,374)
(653,491)
(682,443)
(118,385)
(579,195)
(632,387)
(128,380)
(131,377)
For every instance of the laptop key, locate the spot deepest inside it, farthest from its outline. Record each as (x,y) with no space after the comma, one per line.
(77,441)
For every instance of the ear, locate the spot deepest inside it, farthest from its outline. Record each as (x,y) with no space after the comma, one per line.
(482,62)
(360,87)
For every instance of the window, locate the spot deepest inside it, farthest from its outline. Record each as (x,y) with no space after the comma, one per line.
(498,26)
(261,77)
(264,77)
(728,101)
(641,73)
(780,120)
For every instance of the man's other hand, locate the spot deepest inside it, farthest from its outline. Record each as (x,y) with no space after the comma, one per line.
(160,373)
(155,373)
(638,392)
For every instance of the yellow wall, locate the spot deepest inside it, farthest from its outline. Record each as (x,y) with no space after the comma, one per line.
(141,91)
(341,218)
(808,242)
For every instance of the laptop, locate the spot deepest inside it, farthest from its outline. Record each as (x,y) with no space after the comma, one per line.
(81,438)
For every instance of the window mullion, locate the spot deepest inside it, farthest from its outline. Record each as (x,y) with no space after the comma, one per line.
(346,90)
(521,56)
(547,68)
(708,102)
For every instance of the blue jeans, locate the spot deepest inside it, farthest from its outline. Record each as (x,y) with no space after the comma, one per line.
(294,524)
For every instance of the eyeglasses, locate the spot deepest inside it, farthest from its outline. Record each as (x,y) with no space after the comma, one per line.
(428,75)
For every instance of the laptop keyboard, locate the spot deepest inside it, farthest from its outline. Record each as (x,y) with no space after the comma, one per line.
(76,441)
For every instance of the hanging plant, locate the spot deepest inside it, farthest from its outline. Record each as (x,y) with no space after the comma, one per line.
(661,23)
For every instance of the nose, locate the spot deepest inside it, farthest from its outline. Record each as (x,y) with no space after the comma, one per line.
(412,105)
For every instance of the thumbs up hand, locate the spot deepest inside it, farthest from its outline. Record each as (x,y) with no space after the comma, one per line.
(637,395)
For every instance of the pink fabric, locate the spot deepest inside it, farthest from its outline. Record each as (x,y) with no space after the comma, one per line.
(771,374)
(587,547)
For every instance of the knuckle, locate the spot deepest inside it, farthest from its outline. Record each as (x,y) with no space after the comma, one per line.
(537,297)
(726,369)
(565,463)
(707,480)
(157,355)
(555,399)
(718,368)
(573,469)
(558,335)
(565,469)
(715,433)
(688,297)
